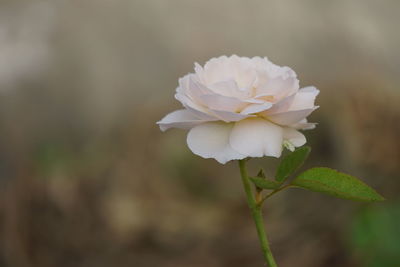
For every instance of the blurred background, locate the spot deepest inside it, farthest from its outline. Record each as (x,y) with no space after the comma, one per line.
(87,178)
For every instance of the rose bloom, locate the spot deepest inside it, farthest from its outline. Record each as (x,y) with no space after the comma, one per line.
(239,107)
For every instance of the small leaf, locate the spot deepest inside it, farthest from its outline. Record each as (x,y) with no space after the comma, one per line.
(291,163)
(264,183)
(261,173)
(334,183)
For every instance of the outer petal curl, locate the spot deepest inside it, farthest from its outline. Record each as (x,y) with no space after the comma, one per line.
(181,118)
(257,137)
(211,140)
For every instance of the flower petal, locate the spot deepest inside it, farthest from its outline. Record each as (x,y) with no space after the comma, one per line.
(279,87)
(195,89)
(276,81)
(282,105)
(179,119)
(293,136)
(256,137)
(226,88)
(290,117)
(256,108)
(217,69)
(211,140)
(225,103)
(195,108)
(304,98)
(199,71)
(304,125)
(228,116)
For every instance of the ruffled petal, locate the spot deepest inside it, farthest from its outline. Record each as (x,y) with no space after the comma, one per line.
(279,87)
(225,103)
(226,88)
(195,108)
(295,137)
(228,116)
(217,69)
(199,71)
(257,137)
(290,117)
(281,105)
(256,108)
(211,140)
(304,125)
(182,119)
(305,98)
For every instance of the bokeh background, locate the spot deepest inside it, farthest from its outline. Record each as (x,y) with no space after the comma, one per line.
(87,179)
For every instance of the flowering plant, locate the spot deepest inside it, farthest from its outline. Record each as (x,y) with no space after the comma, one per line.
(237,108)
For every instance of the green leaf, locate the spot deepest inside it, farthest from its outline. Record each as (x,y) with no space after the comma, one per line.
(264,183)
(291,162)
(261,173)
(334,183)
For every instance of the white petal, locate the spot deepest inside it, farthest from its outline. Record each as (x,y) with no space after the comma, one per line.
(256,108)
(199,71)
(228,116)
(279,86)
(195,89)
(254,101)
(277,81)
(304,125)
(282,105)
(239,69)
(226,88)
(195,108)
(293,136)
(244,71)
(290,117)
(257,137)
(179,119)
(304,98)
(225,103)
(217,69)
(211,140)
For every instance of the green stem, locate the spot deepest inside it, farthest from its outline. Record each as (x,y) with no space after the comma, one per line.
(276,191)
(256,212)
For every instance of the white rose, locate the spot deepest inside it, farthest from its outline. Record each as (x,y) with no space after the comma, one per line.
(238,107)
